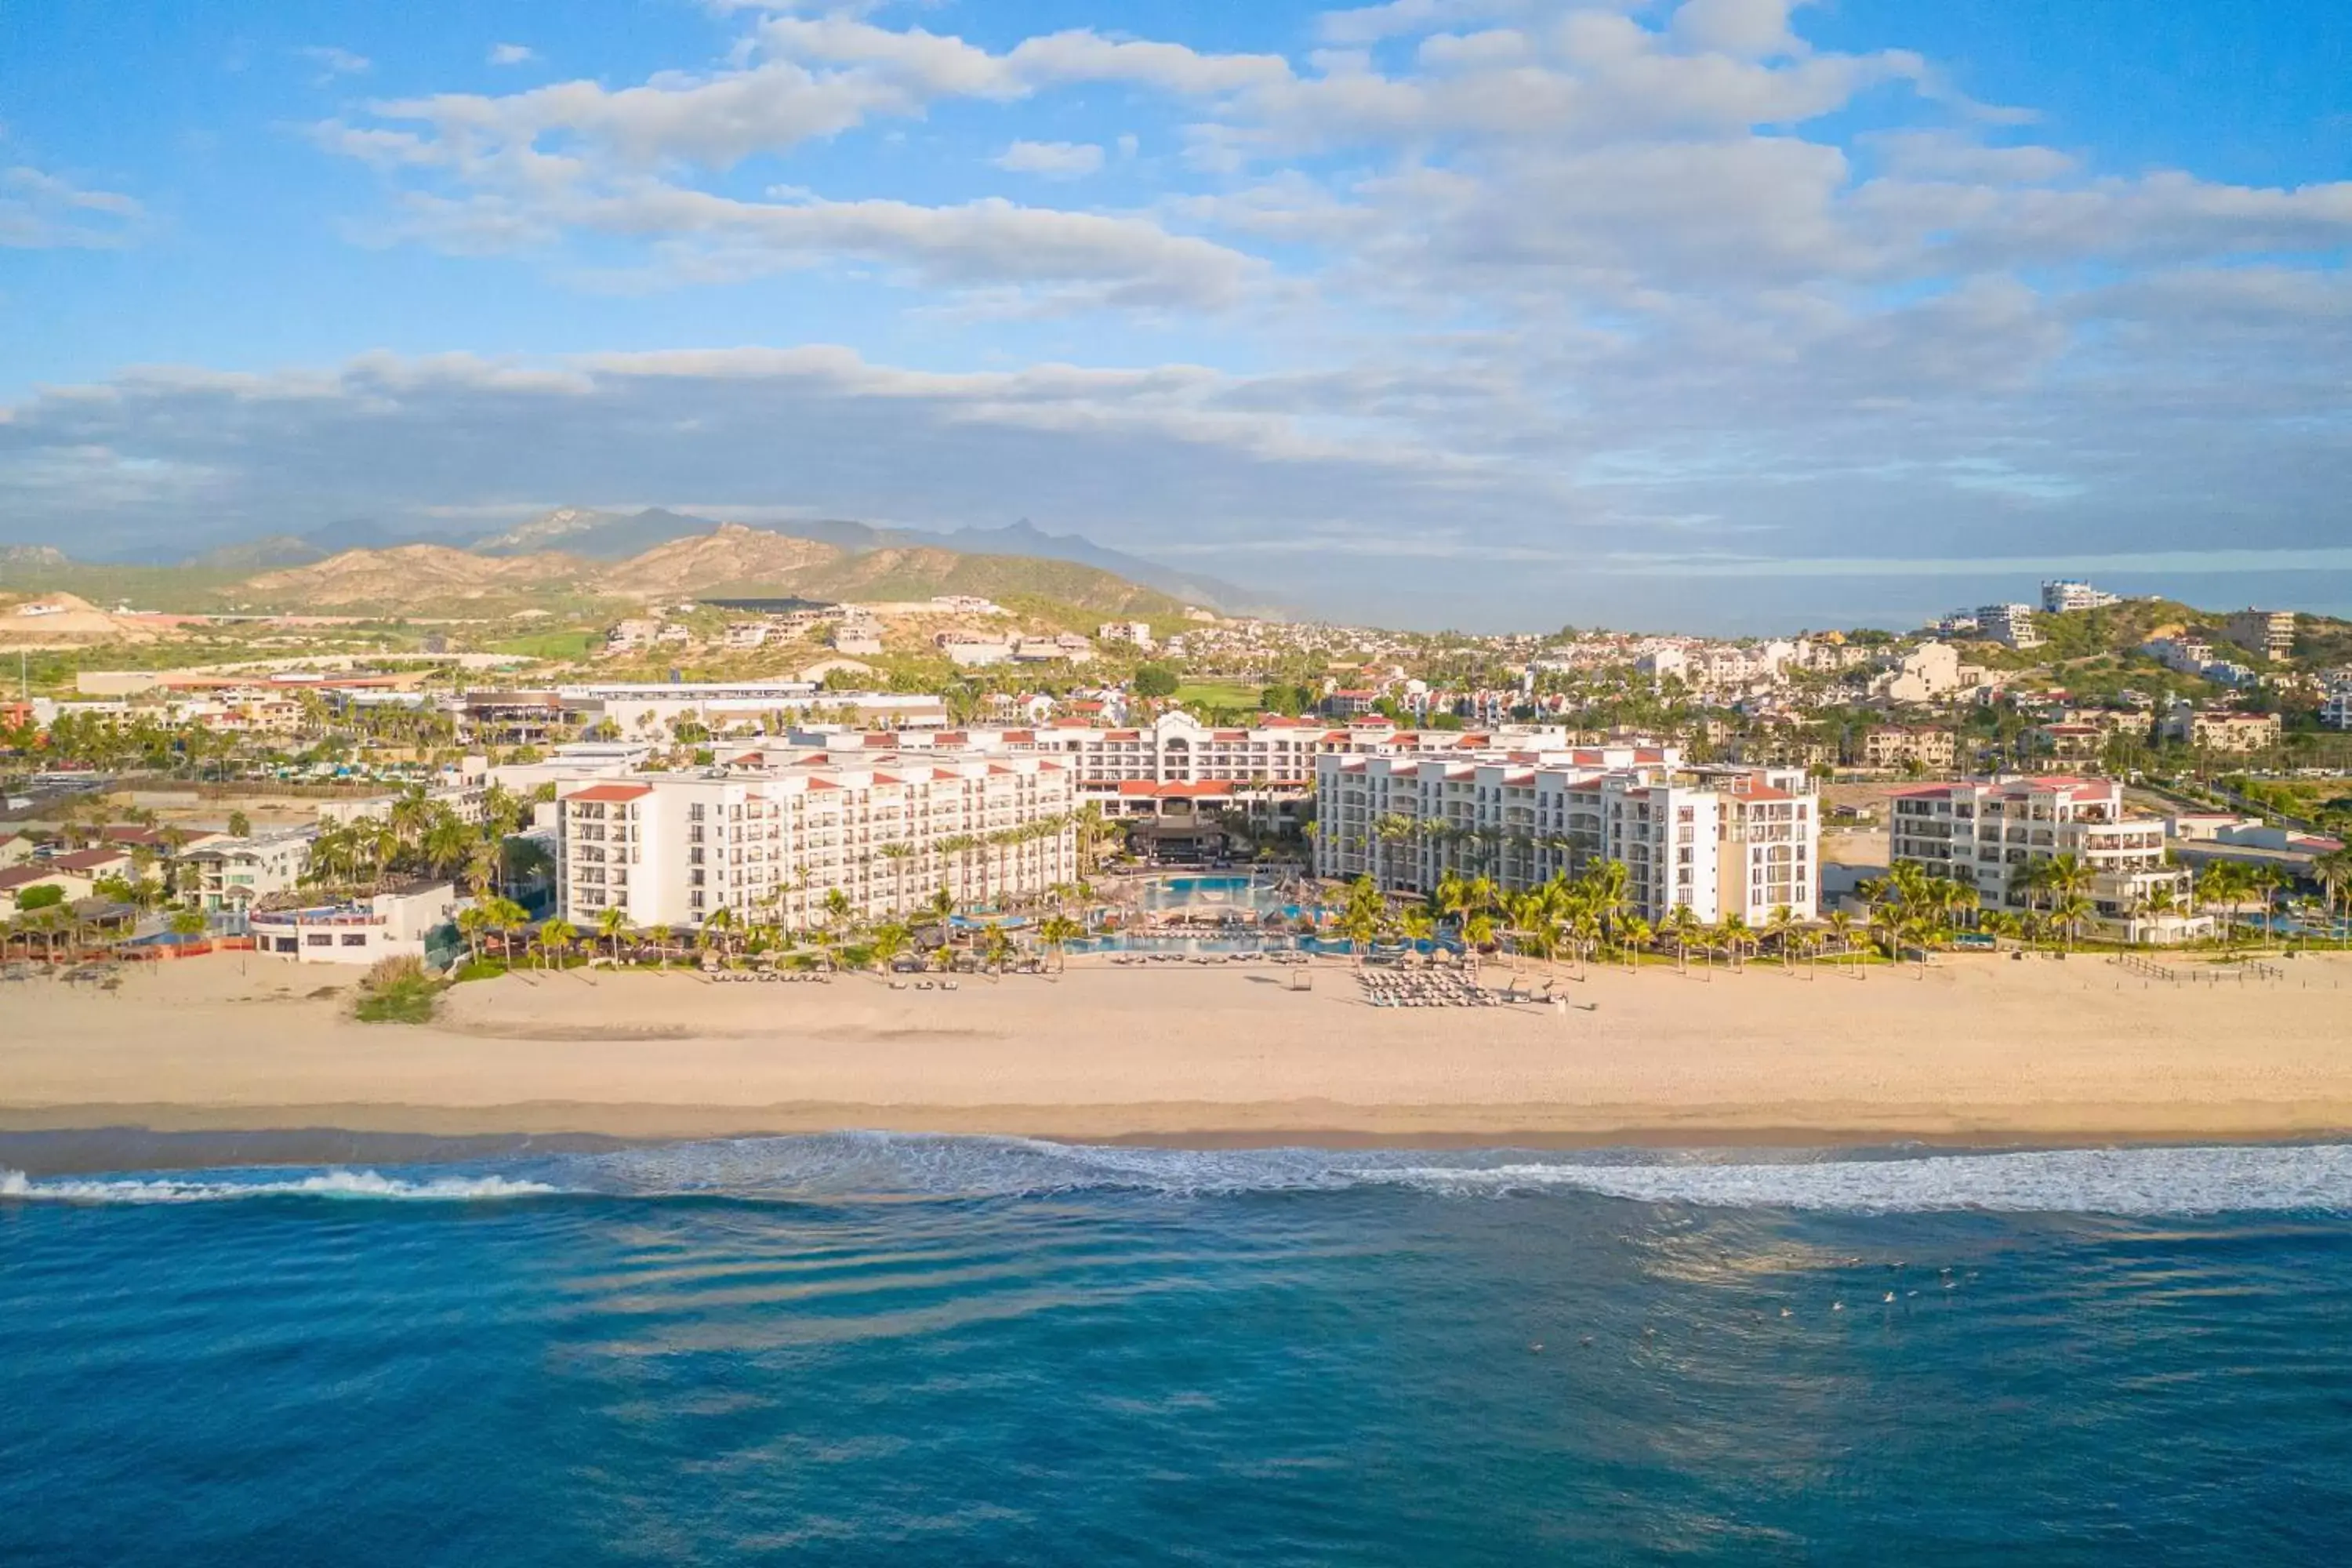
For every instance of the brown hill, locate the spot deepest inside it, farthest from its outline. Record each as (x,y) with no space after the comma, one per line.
(733,553)
(732,558)
(410,574)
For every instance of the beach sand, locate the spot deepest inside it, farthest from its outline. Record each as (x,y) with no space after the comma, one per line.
(1975,1050)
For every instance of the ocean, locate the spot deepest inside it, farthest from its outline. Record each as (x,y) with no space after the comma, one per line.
(902,1350)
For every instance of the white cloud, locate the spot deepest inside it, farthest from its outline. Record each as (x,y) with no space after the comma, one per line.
(511,55)
(1744,29)
(1060,159)
(39,211)
(334,62)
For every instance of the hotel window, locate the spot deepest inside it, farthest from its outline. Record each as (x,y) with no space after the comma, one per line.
(355,938)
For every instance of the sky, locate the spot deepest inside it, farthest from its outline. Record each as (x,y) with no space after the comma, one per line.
(1726,315)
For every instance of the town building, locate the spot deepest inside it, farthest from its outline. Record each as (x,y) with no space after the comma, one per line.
(771,835)
(1717,840)
(1986,834)
(1932,672)
(2061,596)
(2336,711)
(1919,748)
(1137,634)
(2269,633)
(2213,729)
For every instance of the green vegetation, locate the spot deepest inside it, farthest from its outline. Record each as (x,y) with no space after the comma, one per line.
(1218,696)
(564,645)
(1154,680)
(397,991)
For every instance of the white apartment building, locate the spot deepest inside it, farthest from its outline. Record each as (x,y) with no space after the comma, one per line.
(1719,841)
(1987,833)
(2062,594)
(228,875)
(2336,713)
(1136,633)
(770,837)
(2010,623)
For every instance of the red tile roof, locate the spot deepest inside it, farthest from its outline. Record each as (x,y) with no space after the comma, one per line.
(610,792)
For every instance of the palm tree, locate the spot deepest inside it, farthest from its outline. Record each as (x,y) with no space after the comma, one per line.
(556,937)
(1685,924)
(1057,932)
(610,923)
(2071,911)
(472,920)
(898,854)
(659,935)
(1735,934)
(1841,926)
(1779,926)
(889,940)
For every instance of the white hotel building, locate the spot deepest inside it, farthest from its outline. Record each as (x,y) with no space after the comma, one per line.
(769,837)
(1721,841)
(1261,769)
(1986,834)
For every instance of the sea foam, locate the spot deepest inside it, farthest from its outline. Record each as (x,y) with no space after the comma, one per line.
(217,1188)
(840,1167)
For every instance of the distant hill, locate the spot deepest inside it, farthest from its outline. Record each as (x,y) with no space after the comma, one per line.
(614,536)
(728,554)
(34,556)
(411,575)
(728,559)
(598,535)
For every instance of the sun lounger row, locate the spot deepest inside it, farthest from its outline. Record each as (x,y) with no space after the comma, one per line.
(926,984)
(752,976)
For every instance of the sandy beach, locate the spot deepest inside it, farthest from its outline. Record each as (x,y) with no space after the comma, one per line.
(1975,1048)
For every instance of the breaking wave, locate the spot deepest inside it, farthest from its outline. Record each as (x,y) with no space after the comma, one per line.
(221,1188)
(2139,1181)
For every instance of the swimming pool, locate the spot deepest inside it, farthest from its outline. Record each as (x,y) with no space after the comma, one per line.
(1246,895)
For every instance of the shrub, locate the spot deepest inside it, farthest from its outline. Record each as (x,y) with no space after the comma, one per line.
(397,991)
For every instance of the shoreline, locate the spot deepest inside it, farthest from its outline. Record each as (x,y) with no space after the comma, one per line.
(1973,1054)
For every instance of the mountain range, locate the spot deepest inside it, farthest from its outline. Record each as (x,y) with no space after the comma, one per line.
(616,537)
(728,558)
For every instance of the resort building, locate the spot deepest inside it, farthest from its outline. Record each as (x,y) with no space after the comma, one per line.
(1717,840)
(1266,770)
(771,837)
(1137,634)
(394,923)
(1987,833)
(2269,633)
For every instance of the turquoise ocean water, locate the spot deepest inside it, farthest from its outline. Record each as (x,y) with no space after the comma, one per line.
(911,1350)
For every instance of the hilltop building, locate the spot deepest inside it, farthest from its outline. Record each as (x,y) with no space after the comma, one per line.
(2061,596)
(2009,623)
(2269,633)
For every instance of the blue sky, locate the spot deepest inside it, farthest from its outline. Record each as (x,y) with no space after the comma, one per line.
(1480,312)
